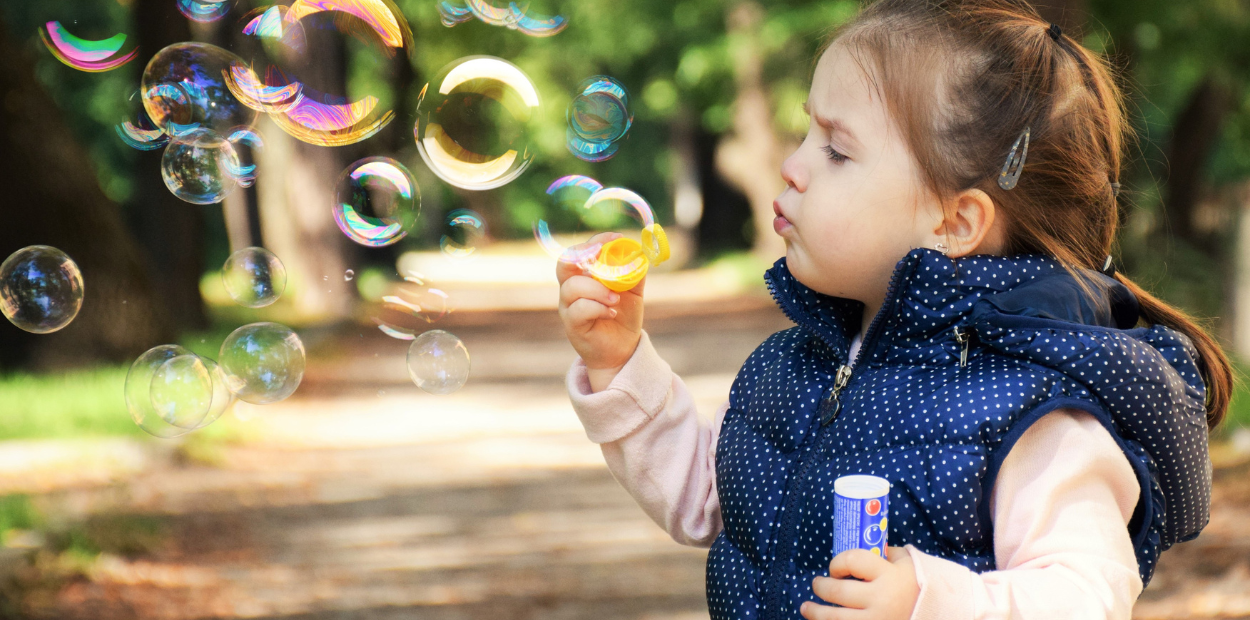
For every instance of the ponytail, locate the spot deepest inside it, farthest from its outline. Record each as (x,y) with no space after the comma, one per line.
(1217,373)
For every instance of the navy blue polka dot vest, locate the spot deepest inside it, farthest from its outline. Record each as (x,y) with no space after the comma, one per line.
(962,357)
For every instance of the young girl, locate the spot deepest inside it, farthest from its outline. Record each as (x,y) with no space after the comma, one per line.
(1041,419)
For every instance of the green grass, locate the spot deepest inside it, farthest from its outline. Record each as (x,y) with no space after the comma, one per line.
(77,403)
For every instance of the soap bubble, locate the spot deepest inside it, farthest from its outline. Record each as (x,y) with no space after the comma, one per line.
(142,133)
(570,195)
(254,277)
(452,13)
(474,122)
(598,118)
(511,16)
(349,275)
(466,231)
(238,167)
(204,11)
(40,289)
(196,167)
(412,306)
(324,119)
(184,89)
(263,362)
(87,55)
(182,391)
(170,391)
(377,202)
(438,362)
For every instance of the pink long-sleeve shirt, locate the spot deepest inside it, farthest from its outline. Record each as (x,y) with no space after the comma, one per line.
(1060,506)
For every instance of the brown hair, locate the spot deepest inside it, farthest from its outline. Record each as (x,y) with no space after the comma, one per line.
(963,78)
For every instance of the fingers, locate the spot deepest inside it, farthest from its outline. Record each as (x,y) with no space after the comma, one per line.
(858,563)
(583,311)
(816,611)
(568,265)
(585,287)
(844,592)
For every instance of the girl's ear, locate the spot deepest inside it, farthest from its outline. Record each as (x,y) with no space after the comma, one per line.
(971,225)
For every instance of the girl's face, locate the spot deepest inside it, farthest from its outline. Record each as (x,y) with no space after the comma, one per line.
(853,203)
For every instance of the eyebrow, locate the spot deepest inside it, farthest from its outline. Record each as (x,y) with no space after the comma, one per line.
(833,125)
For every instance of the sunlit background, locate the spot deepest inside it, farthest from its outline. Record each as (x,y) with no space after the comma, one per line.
(326,262)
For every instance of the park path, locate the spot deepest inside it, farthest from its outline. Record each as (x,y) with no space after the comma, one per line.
(363,498)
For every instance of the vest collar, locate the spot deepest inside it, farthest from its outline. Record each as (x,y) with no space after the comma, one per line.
(929,294)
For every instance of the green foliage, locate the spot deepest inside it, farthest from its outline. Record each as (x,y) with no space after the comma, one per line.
(17,513)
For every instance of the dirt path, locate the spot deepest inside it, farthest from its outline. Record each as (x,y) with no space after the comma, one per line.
(365,499)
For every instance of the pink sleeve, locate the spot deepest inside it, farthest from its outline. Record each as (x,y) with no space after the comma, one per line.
(655,443)
(1061,505)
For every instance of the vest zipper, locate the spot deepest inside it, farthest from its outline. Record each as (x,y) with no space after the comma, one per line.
(782,554)
(963,337)
(831,405)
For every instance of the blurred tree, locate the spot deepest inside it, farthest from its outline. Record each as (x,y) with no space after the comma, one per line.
(171,232)
(53,198)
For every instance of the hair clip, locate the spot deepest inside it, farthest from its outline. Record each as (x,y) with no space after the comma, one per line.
(1055,31)
(1108,268)
(1014,165)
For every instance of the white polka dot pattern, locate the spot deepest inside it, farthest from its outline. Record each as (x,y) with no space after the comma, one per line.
(939,430)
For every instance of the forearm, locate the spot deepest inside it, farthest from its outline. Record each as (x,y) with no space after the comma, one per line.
(655,443)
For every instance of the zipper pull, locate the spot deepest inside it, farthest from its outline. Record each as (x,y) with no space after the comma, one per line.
(963,337)
(830,406)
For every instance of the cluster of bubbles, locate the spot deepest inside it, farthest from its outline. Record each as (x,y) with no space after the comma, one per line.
(598,118)
(621,263)
(475,126)
(171,391)
(40,289)
(511,16)
(187,109)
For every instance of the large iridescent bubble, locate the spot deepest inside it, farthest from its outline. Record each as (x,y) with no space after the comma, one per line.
(263,362)
(376,202)
(41,289)
(92,56)
(269,83)
(184,89)
(475,122)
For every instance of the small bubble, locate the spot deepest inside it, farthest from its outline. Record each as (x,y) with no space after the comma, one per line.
(41,289)
(349,276)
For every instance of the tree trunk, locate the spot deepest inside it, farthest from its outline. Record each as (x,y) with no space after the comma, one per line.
(52,197)
(295,183)
(1194,135)
(751,157)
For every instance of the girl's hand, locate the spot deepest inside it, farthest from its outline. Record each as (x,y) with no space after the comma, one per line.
(604,327)
(888,590)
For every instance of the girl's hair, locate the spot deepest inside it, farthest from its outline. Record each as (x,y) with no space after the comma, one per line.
(962,79)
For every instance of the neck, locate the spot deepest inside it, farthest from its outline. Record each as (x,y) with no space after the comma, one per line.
(870,311)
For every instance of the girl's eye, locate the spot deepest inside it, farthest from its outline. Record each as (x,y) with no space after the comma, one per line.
(834,155)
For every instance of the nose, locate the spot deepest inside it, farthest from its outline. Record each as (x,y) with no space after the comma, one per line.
(792,171)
